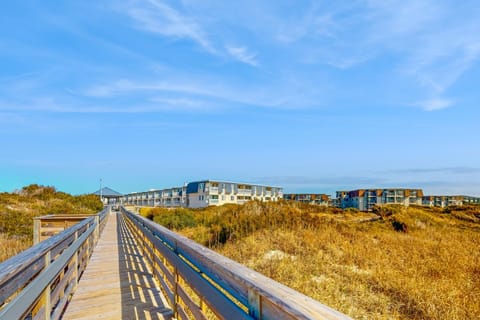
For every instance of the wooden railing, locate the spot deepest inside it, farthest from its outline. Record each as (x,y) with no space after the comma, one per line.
(200,283)
(37,283)
(45,227)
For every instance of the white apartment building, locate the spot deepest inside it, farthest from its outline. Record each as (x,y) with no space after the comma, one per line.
(203,194)
(206,193)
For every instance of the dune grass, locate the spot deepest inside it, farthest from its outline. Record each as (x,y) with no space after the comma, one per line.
(396,263)
(10,246)
(18,209)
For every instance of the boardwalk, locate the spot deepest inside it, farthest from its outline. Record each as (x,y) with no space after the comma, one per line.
(117,283)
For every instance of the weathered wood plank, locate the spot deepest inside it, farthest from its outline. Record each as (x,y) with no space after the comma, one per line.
(60,287)
(8,288)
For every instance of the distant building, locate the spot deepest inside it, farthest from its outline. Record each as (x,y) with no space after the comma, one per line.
(108,196)
(215,193)
(204,193)
(445,201)
(314,198)
(172,197)
(365,199)
(339,198)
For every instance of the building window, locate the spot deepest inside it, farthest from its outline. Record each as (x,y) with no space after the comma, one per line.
(232,198)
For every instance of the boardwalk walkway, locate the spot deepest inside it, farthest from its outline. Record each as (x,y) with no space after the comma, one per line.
(117,284)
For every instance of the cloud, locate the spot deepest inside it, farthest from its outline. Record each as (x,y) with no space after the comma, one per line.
(209,89)
(430,42)
(439,41)
(444,170)
(322,181)
(434,104)
(124,86)
(242,55)
(157,17)
(65,105)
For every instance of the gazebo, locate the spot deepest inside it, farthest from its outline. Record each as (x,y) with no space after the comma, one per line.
(108,196)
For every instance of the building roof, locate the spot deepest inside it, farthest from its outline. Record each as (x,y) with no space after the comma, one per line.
(107,192)
(236,182)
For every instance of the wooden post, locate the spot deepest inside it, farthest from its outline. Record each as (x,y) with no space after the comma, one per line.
(37,225)
(154,262)
(175,287)
(48,291)
(45,297)
(175,294)
(88,242)
(75,264)
(97,229)
(254,304)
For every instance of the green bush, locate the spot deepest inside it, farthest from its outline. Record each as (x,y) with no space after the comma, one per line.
(175,219)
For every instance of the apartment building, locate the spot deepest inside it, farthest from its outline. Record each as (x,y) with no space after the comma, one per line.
(365,199)
(204,193)
(314,198)
(445,201)
(215,193)
(172,197)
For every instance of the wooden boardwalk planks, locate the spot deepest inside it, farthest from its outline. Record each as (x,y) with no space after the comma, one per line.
(117,283)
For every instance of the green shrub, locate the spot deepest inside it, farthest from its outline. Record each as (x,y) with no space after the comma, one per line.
(175,219)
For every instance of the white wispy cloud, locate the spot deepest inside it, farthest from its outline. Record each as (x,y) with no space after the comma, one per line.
(53,106)
(158,17)
(124,86)
(434,104)
(432,43)
(205,89)
(314,22)
(439,41)
(442,170)
(243,55)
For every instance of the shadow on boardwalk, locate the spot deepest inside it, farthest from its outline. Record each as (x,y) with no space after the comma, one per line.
(141,297)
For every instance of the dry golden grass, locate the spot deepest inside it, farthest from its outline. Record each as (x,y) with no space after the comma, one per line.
(359,264)
(10,246)
(17,211)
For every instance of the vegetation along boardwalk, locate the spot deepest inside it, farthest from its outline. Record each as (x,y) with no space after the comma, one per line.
(117,283)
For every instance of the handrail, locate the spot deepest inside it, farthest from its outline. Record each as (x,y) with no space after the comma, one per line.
(193,277)
(38,282)
(46,226)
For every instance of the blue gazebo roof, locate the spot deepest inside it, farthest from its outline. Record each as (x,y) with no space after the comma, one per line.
(107,192)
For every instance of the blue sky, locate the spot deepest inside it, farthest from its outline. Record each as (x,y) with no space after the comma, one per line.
(314,96)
